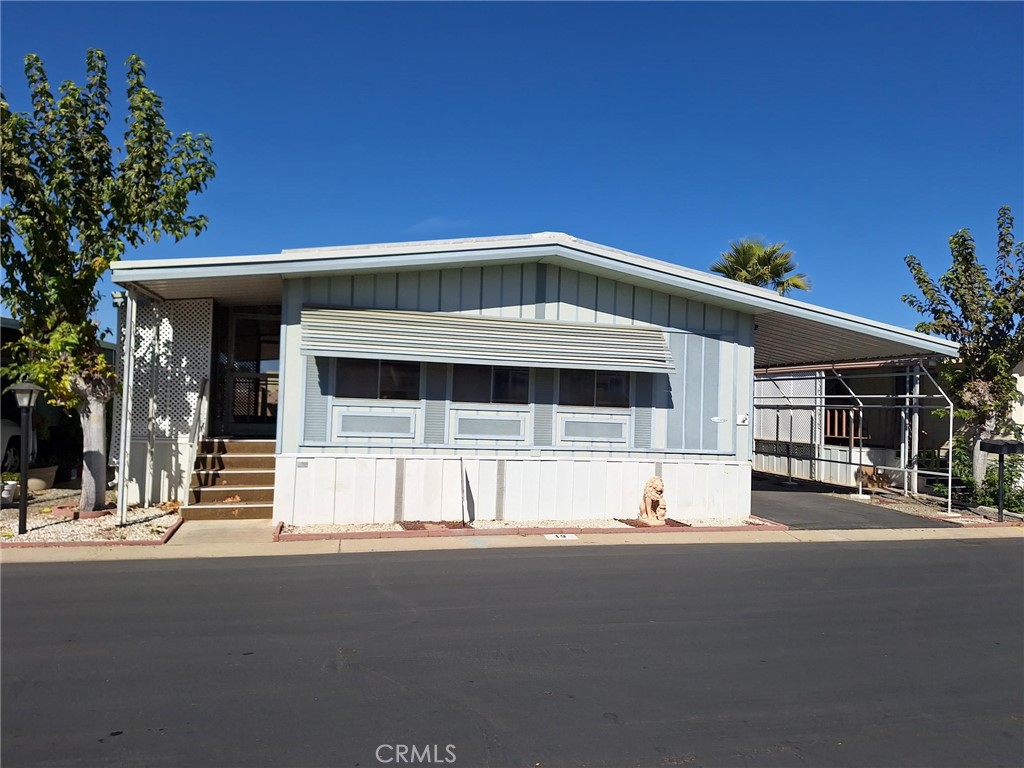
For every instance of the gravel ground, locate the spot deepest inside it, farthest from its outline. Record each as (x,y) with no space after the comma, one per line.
(45,525)
(341,528)
(927,506)
(601,523)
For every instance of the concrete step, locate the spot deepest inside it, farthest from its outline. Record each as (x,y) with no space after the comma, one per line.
(235,445)
(218,461)
(240,511)
(217,494)
(217,477)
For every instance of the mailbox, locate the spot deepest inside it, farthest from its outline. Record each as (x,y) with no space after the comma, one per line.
(1002,447)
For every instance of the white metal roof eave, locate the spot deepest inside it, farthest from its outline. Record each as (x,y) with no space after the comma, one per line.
(759,302)
(553,247)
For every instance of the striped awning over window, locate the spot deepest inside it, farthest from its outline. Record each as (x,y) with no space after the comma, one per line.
(435,337)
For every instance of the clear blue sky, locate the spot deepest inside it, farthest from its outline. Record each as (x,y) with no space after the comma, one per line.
(857,133)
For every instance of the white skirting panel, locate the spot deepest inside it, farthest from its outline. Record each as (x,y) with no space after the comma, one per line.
(169,474)
(318,489)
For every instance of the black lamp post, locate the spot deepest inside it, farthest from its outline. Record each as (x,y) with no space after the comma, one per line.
(26,394)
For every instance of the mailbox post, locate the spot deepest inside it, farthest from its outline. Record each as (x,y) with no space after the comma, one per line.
(1002,448)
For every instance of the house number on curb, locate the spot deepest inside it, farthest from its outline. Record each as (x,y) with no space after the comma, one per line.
(559,536)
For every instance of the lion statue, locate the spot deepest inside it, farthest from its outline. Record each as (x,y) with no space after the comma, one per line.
(652,508)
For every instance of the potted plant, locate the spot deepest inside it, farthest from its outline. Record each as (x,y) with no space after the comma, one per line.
(42,473)
(10,487)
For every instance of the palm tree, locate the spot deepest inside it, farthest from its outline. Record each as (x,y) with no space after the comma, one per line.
(756,263)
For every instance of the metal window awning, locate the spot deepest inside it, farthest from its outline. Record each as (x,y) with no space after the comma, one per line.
(437,337)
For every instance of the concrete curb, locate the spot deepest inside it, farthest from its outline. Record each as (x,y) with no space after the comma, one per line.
(101,552)
(96,543)
(279,535)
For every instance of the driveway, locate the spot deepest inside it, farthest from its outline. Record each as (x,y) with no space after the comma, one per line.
(811,507)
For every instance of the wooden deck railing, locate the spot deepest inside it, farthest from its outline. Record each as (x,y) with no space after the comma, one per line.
(844,424)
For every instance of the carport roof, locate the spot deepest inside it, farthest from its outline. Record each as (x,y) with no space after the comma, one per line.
(788,332)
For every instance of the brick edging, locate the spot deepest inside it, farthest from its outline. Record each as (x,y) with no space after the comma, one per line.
(95,543)
(279,535)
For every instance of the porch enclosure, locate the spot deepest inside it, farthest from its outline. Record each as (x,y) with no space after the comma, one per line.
(200,369)
(171,356)
(828,425)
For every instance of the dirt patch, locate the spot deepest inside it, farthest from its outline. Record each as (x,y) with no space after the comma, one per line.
(669,523)
(431,525)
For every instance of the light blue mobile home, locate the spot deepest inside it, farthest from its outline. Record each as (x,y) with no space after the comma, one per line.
(535,377)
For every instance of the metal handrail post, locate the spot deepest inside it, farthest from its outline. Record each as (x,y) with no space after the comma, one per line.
(127,386)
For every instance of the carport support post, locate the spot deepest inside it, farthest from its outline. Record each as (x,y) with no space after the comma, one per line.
(915,429)
(904,427)
(851,426)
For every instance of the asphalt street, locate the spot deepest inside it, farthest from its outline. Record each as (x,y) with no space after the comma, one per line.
(841,654)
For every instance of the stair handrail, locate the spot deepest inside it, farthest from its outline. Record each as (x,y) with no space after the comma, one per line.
(196,433)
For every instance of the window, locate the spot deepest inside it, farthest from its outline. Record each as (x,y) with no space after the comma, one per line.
(377,379)
(490,384)
(603,389)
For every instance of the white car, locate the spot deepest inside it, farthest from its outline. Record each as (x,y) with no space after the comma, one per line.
(10,439)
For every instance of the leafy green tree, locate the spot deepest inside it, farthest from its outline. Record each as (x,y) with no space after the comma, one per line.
(983,314)
(72,204)
(757,263)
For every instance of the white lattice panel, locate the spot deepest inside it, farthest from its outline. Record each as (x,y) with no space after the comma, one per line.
(184,362)
(147,318)
(172,357)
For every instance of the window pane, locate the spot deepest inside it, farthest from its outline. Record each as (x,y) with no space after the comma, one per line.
(356,378)
(612,389)
(576,388)
(399,381)
(471,383)
(511,385)
(256,346)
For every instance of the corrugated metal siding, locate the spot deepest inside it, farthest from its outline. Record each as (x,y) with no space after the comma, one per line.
(642,411)
(543,410)
(454,338)
(436,405)
(317,381)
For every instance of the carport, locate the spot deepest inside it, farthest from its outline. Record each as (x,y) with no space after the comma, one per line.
(845,401)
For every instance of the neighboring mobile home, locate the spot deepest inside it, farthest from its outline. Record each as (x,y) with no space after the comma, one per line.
(532,377)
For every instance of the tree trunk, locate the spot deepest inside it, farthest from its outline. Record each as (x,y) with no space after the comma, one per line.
(979,460)
(92,413)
